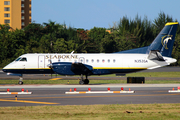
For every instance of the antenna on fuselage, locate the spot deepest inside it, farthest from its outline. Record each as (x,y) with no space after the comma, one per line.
(72,52)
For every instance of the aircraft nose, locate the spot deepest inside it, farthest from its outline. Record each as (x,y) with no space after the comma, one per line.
(5,69)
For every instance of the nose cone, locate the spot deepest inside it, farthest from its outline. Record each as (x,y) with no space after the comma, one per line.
(4,69)
(7,67)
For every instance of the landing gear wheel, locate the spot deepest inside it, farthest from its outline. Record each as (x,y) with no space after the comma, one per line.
(20,82)
(86,81)
(81,82)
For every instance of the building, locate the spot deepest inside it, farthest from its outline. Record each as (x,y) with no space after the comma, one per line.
(16,13)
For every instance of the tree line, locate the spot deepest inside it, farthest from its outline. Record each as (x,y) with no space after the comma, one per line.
(53,37)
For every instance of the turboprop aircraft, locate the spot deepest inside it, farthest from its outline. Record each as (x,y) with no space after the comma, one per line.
(157,54)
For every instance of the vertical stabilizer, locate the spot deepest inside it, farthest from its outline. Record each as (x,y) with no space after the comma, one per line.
(165,40)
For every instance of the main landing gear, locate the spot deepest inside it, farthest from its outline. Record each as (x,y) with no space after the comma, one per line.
(20,80)
(86,81)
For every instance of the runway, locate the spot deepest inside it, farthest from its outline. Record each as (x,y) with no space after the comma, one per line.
(55,95)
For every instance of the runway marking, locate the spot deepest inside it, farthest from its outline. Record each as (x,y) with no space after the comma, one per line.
(24,101)
(55,79)
(101,96)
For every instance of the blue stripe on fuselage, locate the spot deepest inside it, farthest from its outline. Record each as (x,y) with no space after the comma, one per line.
(49,71)
(29,71)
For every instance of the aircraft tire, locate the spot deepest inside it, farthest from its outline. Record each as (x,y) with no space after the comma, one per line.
(86,81)
(20,82)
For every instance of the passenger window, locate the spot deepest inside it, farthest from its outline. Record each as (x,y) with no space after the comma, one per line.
(114,60)
(23,59)
(86,60)
(97,60)
(108,60)
(92,60)
(103,60)
(81,60)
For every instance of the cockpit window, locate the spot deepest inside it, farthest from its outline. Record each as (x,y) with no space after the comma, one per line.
(23,59)
(18,59)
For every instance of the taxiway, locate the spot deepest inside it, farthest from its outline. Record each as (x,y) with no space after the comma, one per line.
(55,95)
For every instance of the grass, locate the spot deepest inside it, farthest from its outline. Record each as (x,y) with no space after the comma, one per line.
(118,81)
(142,74)
(71,82)
(93,112)
(155,74)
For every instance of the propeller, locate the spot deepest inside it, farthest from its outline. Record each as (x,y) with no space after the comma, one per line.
(50,66)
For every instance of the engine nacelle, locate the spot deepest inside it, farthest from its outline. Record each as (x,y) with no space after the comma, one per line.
(62,68)
(68,68)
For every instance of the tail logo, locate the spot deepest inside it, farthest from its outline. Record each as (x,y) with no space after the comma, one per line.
(165,40)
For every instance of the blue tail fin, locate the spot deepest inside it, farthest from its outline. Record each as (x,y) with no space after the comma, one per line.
(164,40)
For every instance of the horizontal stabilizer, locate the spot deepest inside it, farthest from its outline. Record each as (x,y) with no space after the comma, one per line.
(155,55)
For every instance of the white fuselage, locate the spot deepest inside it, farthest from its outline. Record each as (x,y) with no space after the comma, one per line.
(115,62)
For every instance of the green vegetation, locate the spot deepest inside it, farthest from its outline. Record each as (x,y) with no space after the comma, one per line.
(148,74)
(93,112)
(117,81)
(57,38)
(72,82)
(154,74)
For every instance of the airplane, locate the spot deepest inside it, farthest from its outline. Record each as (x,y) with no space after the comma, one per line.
(157,54)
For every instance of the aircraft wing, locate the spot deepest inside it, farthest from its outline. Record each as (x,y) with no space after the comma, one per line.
(69,68)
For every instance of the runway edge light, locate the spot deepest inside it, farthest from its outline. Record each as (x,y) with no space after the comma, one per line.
(108,89)
(89,89)
(75,89)
(22,90)
(178,90)
(8,90)
(122,88)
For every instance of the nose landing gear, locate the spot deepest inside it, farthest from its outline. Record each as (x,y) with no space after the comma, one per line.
(86,81)
(20,81)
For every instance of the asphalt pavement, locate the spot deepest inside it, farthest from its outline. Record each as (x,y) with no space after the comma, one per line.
(55,94)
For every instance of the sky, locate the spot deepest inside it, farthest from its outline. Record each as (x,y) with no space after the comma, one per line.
(88,14)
